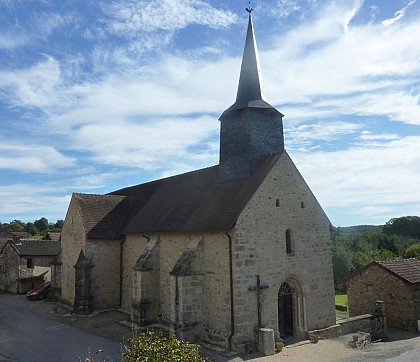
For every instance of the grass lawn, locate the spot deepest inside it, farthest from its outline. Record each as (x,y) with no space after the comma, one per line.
(341,299)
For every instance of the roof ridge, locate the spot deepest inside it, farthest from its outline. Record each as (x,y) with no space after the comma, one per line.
(399,259)
(163,179)
(90,194)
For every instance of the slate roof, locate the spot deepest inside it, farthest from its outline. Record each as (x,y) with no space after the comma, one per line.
(194,201)
(36,247)
(406,269)
(3,243)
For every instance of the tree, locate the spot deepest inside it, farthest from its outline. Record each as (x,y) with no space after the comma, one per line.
(59,224)
(16,225)
(351,252)
(405,226)
(413,251)
(30,228)
(41,225)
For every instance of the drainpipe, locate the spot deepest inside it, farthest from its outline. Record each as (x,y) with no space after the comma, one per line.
(121,267)
(18,275)
(232,314)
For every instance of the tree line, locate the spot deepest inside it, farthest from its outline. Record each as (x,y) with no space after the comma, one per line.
(355,247)
(38,227)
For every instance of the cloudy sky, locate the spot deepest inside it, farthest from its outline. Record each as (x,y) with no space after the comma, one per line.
(99,95)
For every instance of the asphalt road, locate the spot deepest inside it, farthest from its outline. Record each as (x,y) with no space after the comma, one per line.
(29,337)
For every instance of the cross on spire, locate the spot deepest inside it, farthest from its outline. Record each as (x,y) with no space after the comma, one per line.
(249,9)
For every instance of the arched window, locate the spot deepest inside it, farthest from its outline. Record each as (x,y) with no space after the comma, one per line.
(289,248)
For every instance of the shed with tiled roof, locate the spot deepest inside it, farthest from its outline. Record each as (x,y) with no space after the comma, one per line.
(397,282)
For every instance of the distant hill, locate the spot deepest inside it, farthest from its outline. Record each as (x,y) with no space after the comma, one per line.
(358,229)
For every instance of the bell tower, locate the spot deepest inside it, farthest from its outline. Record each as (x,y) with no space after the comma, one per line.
(251,129)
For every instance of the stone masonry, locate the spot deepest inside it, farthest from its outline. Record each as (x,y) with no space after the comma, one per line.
(374,283)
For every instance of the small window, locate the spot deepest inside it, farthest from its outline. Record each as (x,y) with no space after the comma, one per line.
(30,263)
(369,288)
(289,248)
(302,205)
(277,203)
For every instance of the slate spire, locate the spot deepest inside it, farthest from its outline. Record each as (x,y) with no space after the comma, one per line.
(250,86)
(251,129)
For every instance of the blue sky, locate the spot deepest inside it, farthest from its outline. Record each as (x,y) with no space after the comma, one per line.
(100,95)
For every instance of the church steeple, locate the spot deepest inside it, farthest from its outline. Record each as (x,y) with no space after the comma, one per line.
(251,129)
(250,88)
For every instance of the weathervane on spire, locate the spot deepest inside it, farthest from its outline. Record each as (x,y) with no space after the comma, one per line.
(249,9)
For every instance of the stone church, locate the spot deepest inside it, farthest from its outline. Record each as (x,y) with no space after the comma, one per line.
(214,253)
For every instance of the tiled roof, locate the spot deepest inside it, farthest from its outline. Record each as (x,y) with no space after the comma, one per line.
(53,236)
(20,234)
(102,215)
(194,201)
(36,247)
(407,269)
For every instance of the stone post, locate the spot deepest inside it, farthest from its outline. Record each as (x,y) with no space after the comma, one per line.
(266,343)
(381,329)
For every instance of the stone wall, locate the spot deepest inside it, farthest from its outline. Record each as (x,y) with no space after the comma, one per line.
(133,247)
(416,293)
(283,202)
(197,304)
(73,239)
(366,323)
(145,305)
(14,268)
(216,325)
(9,272)
(375,283)
(105,272)
(359,323)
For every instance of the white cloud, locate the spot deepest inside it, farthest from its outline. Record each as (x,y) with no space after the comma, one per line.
(363,178)
(32,158)
(47,22)
(345,66)
(148,145)
(398,15)
(366,135)
(34,86)
(309,133)
(11,41)
(32,202)
(283,8)
(126,18)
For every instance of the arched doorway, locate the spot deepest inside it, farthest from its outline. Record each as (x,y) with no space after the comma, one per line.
(285,306)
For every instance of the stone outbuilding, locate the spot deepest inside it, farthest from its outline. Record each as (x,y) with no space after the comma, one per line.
(212,254)
(397,283)
(26,264)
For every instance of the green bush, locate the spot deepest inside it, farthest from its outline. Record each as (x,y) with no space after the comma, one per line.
(413,251)
(160,348)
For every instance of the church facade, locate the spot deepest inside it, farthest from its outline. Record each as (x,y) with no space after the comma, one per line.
(215,253)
